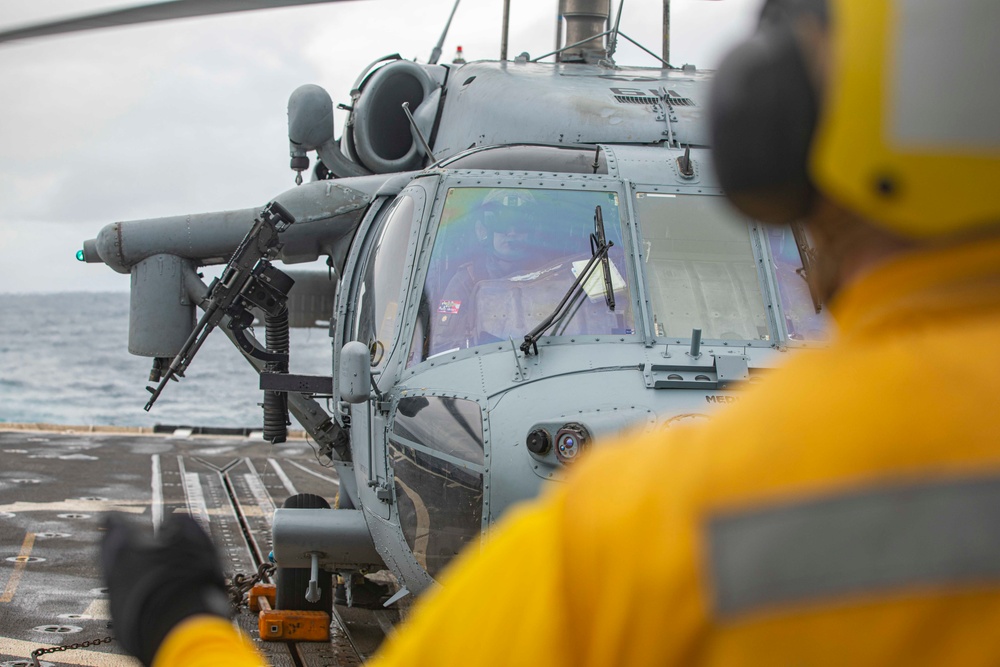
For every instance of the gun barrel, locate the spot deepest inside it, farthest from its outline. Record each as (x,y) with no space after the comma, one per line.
(186,353)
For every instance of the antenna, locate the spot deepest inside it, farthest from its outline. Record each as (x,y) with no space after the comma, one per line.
(559,31)
(420,135)
(666,33)
(506,30)
(436,53)
(613,38)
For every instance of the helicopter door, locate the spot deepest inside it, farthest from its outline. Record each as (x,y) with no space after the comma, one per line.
(378,305)
(437,448)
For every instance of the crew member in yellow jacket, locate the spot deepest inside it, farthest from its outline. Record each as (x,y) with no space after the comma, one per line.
(846,511)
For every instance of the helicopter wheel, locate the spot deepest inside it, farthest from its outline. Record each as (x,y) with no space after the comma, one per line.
(291,582)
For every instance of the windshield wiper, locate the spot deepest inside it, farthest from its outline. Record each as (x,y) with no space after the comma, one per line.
(598,240)
(599,247)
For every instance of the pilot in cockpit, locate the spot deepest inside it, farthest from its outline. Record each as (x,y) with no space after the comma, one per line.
(506,231)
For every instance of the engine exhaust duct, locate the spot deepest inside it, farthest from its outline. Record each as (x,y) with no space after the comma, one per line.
(585,19)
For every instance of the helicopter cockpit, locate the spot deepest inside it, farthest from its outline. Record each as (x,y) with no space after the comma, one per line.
(499,256)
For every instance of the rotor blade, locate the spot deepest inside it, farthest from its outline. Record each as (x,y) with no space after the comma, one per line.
(160,11)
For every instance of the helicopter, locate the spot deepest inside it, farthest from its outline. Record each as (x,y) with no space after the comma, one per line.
(525,259)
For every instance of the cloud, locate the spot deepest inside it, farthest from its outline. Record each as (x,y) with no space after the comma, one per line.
(189,116)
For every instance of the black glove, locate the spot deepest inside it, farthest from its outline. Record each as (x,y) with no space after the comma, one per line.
(154,583)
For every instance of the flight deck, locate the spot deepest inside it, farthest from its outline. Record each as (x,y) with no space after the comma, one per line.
(57,482)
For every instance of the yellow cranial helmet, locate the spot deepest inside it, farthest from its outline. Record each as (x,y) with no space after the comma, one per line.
(906,128)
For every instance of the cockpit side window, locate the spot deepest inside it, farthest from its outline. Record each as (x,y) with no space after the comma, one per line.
(802,322)
(379,295)
(503,258)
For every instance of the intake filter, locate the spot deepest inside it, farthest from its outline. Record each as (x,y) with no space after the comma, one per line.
(382,136)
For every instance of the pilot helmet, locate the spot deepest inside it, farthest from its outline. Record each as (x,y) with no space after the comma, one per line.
(507,212)
(508,209)
(900,127)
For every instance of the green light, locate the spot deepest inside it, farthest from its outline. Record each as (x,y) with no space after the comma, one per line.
(79,256)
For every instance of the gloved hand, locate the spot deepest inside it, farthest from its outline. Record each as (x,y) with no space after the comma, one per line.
(154,583)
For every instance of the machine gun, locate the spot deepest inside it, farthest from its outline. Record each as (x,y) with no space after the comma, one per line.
(249,280)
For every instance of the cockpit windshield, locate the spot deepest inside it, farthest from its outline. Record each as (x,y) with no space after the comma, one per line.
(701,268)
(502,260)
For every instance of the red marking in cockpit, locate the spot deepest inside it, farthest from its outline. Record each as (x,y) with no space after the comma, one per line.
(449,307)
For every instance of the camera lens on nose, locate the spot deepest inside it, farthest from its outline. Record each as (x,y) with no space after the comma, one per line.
(571,440)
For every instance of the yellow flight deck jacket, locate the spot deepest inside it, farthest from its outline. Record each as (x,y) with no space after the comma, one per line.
(845,511)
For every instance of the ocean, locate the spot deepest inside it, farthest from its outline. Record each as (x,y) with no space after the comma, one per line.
(64,360)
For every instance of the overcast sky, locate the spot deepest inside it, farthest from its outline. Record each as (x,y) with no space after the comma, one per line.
(190,116)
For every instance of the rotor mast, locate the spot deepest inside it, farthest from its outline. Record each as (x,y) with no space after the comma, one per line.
(586,24)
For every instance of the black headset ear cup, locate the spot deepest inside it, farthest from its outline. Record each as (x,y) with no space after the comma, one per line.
(762,116)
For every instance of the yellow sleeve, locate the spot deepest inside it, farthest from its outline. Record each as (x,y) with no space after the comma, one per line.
(491,609)
(206,641)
